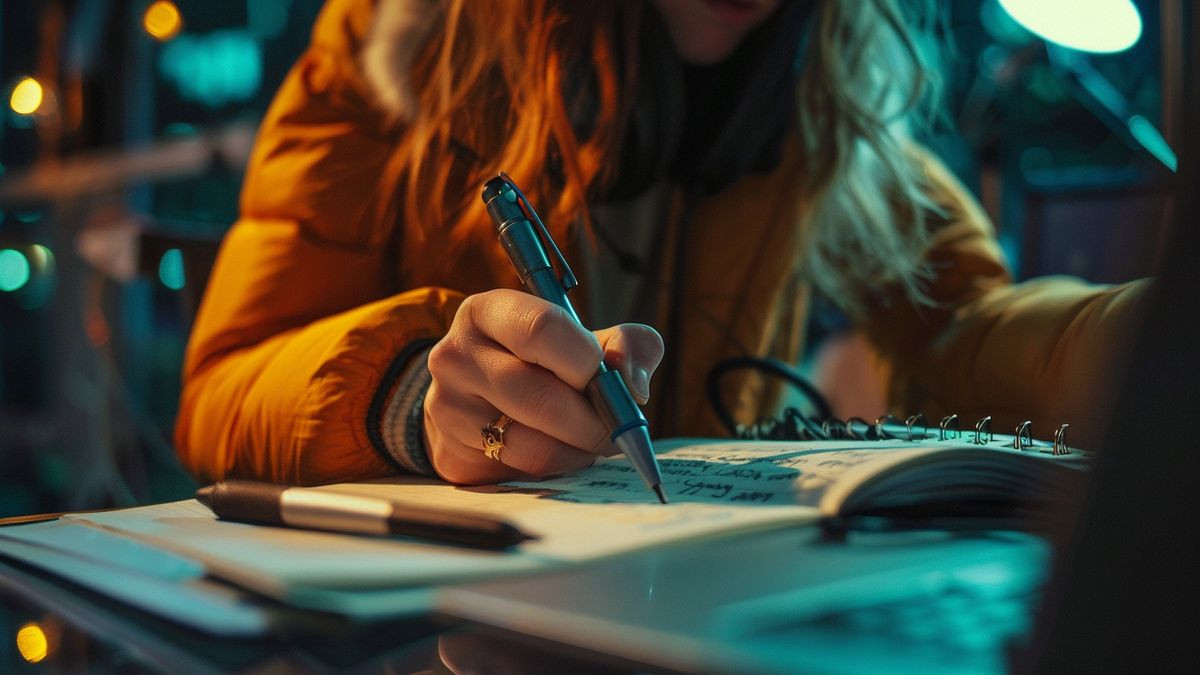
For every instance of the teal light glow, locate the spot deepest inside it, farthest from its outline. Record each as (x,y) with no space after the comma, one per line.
(1098,26)
(213,69)
(1153,141)
(14,270)
(170,269)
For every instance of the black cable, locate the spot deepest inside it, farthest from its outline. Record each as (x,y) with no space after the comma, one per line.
(793,423)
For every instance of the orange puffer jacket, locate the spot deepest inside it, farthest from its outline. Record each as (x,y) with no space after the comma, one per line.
(317,292)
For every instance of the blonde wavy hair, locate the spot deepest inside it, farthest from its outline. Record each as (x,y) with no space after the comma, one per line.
(487,90)
(868,84)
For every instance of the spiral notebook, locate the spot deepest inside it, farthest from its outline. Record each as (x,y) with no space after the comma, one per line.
(912,474)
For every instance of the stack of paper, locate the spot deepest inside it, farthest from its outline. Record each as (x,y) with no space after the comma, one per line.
(714,487)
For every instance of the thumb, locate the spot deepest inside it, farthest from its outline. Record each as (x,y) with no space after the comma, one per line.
(634,350)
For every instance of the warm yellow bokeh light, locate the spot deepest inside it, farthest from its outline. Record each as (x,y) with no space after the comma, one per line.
(162,20)
(26,97)
(32,643)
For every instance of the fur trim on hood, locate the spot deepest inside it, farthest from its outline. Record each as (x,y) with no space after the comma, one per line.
(398,28)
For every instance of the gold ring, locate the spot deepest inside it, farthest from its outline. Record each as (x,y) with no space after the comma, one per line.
(493,436)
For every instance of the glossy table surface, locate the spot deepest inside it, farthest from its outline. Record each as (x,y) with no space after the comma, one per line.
(50,626)
(663,610)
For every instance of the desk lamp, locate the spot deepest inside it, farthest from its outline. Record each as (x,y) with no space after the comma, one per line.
(1095,26)
(1074,28)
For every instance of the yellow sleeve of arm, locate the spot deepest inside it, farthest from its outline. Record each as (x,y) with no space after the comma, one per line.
(1044,350)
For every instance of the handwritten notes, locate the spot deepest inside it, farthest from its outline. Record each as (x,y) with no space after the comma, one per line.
(713,487)
(723,473)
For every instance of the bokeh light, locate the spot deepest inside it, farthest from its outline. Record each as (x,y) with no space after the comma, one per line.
(26,96)
(14,270)
(41,259)
(1098,26)
(32,643)
(162,20)
(214,69)
(170,269)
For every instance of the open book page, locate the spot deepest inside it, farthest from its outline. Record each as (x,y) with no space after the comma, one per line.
(954,476)
(714,487)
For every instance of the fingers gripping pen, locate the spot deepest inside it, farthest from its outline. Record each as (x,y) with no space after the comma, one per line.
(530,248)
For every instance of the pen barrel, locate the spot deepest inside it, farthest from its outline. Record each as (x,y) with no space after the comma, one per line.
(611,398)
(614,403)
(334,512)
(270,504)
(247,501)
(528,257)
(316,509)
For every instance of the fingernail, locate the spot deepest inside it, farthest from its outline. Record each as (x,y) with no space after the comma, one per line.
(641,384)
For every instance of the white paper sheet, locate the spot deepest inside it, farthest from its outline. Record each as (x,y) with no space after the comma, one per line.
(604,510)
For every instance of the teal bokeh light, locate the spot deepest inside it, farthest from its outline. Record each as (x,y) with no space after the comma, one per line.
(1098,26)
(14,270)
(213,69)
(170,270)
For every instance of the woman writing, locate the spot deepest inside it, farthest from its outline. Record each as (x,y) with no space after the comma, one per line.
(703,163)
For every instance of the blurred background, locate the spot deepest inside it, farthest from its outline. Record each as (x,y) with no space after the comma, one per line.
(126,124)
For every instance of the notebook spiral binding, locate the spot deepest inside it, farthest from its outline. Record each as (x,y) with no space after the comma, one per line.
(795,425)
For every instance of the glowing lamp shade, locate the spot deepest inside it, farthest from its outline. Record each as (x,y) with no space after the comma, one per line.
(26,97)
(1098,26)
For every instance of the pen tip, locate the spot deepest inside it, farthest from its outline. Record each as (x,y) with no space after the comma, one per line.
(661,496)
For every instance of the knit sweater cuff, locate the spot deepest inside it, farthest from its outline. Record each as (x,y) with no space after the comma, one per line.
(395,423)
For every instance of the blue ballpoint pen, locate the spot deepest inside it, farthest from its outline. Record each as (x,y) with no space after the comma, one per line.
(530,250)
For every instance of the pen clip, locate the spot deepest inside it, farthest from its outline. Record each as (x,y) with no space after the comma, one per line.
(567,277)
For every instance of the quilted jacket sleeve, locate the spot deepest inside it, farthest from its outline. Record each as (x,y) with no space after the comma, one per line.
(1042,350)
(300,326)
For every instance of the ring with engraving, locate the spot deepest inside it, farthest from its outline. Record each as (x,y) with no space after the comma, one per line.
(493,436)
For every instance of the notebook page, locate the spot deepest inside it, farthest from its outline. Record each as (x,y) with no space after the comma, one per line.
(714,487)
(605,509)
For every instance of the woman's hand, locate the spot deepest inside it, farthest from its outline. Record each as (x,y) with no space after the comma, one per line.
(513,353)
